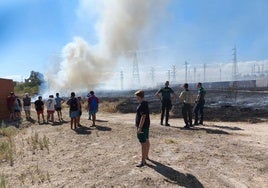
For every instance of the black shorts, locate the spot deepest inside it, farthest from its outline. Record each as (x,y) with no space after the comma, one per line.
(142,137)
(58,108)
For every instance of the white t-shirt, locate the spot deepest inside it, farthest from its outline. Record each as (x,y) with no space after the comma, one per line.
(50,104)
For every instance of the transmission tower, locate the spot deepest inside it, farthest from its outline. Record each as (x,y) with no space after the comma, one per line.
(153,76)
(168,75)
(135,73)
(186,67)
(235,68)
(173,73)
(194,74)
(122,80)
(205,66)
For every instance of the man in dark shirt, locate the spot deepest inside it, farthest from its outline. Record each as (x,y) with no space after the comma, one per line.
(200,102)
(166,101)
(11,104)
(39,107)
(143,124)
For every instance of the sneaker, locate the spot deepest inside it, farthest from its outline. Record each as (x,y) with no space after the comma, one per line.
(186,127)
(167,124)
(141,164)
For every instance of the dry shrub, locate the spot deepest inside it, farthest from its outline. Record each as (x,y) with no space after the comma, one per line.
(3,181)
(110,107)
(7,145)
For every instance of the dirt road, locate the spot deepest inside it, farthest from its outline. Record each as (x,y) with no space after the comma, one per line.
(218,154)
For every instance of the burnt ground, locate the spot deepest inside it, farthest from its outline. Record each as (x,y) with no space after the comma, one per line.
(225,105)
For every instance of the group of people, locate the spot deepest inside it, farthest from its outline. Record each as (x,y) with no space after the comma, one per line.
(53,105)
(190,104)
(166,94)
(15,106)
(75,108)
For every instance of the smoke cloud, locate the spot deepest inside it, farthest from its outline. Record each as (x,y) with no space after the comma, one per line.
(121,24)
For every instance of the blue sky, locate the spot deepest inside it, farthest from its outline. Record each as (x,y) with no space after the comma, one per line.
(32,32)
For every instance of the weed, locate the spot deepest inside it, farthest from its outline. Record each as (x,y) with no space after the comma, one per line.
(7,151)
(110,107)
(3,181)
(46,142)
(35,175)
(7,131)
(170,141)
(35,141)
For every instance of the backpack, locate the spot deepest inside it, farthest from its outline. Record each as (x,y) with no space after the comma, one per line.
(73,104)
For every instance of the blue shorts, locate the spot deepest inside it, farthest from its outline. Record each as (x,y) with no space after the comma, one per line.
(92,112)
(74,114)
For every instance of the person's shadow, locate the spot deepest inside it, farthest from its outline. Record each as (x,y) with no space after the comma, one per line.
(175,177)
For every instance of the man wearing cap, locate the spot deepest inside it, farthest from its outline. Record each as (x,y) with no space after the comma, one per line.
(143,124)
(200,102)
(27,106)
(166,101)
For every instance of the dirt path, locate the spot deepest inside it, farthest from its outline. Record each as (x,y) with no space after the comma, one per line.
(218,154)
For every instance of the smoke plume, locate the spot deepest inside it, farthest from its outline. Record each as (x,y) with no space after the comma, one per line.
(121,24)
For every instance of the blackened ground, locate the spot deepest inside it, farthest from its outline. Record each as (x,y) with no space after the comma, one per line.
(225,105)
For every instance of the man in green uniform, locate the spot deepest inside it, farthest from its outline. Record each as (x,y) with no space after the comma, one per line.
(200,102)
(166,101)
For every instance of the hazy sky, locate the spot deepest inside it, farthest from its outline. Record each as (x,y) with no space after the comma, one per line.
(34,32)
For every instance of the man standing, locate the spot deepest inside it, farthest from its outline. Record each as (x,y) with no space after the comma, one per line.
(73,113)
(10,105)
(187,98)
(143,124)
(59,102)
(27,106)
(200,102)
(50,104)
(93,106)
(166,101)
(39,107)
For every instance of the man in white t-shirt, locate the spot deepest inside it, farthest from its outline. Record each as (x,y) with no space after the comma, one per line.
(187,98)
(50,104)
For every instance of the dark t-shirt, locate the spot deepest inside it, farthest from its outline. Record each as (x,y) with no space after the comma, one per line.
(26,101)
(73,104)
(38,105)
(142,109)
(202,93)
(166,93)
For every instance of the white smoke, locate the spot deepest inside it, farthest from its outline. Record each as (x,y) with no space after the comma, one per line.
(121,24)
